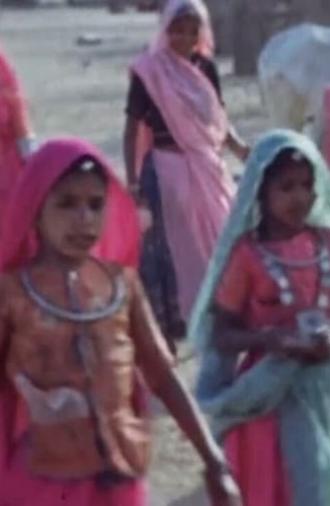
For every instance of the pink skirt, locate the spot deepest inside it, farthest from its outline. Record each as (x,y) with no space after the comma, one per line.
(19,488)
(196,205)
(253,450)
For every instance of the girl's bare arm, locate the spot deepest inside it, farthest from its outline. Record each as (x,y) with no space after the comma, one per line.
(234,337)
(156,363)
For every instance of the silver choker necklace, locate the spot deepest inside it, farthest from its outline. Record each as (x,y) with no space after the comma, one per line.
(76,315)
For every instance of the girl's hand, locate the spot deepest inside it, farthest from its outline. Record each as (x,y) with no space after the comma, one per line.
(144,213)
(313,351)
(145,218)
(221,487)
(243,152)
(320,347)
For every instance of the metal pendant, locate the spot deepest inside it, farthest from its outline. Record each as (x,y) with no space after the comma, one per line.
(323,301)
(286,297)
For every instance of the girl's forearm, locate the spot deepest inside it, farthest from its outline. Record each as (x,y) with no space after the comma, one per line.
(233,336)
(235,340)
(184,409)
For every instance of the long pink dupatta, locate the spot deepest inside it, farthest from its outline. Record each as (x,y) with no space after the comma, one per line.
(120,243)
(196,190)
(14,128)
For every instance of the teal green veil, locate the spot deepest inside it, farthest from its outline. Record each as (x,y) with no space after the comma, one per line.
(244,217)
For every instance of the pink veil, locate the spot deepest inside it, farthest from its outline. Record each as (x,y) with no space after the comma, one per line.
(120,239)
(146,64)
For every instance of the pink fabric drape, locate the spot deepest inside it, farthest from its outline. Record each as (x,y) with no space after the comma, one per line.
(14,125)
(120,239)
(195,188)
(120,243)
(196,204)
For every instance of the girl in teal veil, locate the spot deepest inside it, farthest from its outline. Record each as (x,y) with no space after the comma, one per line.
(262,324)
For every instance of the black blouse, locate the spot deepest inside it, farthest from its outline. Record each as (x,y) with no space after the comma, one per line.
(141,107)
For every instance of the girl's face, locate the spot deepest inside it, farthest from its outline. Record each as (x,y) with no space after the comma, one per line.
(71,219)
(287,198)
(183,35)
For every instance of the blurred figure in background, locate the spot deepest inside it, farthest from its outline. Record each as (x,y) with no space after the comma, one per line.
(176,116)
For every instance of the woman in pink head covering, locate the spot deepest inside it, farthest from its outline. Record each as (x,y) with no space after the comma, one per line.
(175,98)
(16,137)
(75,328)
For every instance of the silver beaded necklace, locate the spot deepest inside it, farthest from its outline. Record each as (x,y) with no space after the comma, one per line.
(277,265)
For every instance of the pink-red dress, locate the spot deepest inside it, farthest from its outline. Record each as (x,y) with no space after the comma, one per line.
(248,290)
(20,485)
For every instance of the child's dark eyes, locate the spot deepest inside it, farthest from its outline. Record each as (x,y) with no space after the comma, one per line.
(66,202)
(70,203)
(96,204)
(289,186)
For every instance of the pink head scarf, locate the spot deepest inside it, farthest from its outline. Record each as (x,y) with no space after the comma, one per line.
(205,45)
(120,238)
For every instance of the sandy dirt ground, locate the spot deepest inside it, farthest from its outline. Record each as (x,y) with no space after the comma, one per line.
(80,89)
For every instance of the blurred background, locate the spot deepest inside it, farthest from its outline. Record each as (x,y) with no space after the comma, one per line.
(241,27)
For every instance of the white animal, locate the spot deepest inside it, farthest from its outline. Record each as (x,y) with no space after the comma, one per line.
(294,71)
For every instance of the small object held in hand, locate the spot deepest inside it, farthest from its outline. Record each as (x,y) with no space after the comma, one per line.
(312,323)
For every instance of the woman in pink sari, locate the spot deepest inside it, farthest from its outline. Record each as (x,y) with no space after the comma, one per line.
(75,328)
(175,96)
(16,137)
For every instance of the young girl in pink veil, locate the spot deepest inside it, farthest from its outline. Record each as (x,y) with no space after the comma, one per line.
(75,332)
(16,136)
(175,95)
